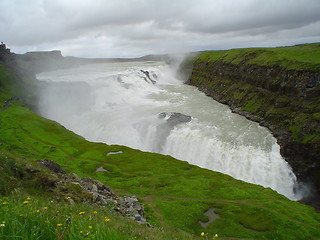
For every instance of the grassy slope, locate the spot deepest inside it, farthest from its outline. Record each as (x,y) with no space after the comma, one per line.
(300,57)
(175,193)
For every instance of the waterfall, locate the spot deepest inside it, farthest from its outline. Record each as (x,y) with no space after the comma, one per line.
(142,105)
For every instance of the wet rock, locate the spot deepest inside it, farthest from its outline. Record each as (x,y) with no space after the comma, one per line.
(163,130)
(174,118)
(148,78)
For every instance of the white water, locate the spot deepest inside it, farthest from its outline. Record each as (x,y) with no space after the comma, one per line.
(113,103)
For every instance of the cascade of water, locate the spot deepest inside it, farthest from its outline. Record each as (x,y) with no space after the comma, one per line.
(120,103)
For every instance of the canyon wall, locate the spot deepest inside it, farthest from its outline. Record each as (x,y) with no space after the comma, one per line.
(281,96)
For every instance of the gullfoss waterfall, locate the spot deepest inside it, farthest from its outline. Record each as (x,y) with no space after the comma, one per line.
(143,105)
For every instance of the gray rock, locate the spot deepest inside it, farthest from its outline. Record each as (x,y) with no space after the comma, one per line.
(95,196)
(101,169)
(94,188)
(148,78)
(174,118)
(132,208)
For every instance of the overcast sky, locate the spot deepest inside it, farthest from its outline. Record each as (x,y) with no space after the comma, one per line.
(133,28)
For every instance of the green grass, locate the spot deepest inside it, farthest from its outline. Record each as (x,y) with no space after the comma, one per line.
(175,193)
(25,217)
(300,57)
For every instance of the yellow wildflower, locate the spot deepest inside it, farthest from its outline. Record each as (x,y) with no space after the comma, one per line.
(68,197)
(107,219)
(5,203)
(45,208)
(81,232)
(202,234)
(90,227)
(81,213)
(38,211)
(26,202)
(28,198)
(2,225)
(59,224)
(95,212)
(216,236)
(3,222)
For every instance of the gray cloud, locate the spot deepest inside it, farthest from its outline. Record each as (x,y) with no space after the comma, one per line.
(128,28)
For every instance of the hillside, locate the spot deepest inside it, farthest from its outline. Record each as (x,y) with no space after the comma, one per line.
(277,87)
(35,202)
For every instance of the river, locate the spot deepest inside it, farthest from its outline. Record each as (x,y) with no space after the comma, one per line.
(121,103)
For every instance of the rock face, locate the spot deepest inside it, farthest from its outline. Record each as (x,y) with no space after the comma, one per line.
(285,101)
(4,52)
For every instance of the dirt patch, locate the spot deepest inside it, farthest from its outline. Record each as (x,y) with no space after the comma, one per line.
(210,213)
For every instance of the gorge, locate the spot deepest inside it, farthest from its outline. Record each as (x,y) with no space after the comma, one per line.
(137,103)
(277,87)
(117,103)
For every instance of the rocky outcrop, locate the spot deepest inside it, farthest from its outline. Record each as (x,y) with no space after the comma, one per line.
(87,189)
(148,78)
(5,53)
(170,121)
(285,101)
(174,118)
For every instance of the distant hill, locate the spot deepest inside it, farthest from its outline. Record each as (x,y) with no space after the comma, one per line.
(43,61)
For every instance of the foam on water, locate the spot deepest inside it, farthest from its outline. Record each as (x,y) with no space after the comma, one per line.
(116,103)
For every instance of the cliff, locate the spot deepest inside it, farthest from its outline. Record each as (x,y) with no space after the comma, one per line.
(277,87)
(44,61)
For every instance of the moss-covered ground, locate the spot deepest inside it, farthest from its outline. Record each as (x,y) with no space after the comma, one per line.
(300,57)
(175,194)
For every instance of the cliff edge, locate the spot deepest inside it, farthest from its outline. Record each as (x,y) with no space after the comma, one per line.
(277,87)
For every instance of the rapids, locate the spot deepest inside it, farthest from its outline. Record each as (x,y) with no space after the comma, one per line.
(120,103)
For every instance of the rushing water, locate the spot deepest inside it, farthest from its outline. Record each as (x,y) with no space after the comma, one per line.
(117,103)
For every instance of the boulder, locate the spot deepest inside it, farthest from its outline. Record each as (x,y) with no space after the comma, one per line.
(174,118)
